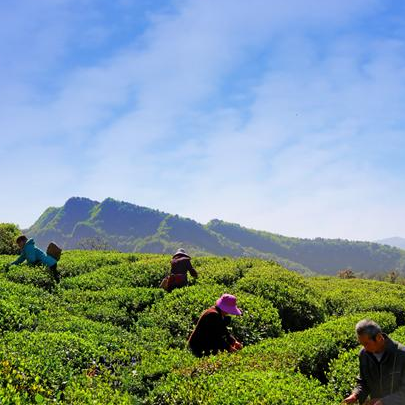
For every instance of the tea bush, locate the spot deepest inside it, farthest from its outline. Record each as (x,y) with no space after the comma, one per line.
(74,263)
(139,273)
(4,260)
(94,391)
(240,388)
(13,317)
(150,272)
(354,295)
(28,295)
(20,305)
(222,270)
(308,351)
(399,335)
(311,350)
(41,363)
(12,396)
(298,304)
(151,369)
(99,279)
(118,344)
(38,276)
(343,371)
(178,312)
(107,335)
(119,306)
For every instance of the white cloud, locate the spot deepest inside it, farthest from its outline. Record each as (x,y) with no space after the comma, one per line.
(150,124)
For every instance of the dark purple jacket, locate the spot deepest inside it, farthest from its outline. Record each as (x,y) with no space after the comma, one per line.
(181,264)
(210,334)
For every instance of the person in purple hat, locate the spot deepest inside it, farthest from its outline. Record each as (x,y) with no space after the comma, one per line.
(211,335)
(180,266)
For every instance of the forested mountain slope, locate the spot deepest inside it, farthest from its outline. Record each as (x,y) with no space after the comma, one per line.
(131,228)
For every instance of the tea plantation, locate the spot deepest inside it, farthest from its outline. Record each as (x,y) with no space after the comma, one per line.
(107,334)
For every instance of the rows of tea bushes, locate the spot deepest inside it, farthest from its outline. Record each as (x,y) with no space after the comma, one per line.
(353,295)
(298,304)
(291,357)
(107,334)
(245,387)
(309,352)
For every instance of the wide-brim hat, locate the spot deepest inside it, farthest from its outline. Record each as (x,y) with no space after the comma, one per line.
(227,303)
(181,252)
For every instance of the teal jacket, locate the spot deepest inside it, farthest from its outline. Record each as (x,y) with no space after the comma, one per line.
(34,255)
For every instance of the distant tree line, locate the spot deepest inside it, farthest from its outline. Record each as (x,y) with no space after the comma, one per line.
(8,235)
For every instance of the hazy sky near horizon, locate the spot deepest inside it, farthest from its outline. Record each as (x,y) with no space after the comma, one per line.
(286,116)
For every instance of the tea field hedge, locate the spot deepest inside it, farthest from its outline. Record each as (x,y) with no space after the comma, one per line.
(107,334)
(353,295)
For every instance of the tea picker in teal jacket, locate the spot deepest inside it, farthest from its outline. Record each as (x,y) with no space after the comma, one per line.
(35,256)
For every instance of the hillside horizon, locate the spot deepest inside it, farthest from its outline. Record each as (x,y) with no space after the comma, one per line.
(128,227)
(395,241)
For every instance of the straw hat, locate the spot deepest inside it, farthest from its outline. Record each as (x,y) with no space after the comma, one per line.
(181,252)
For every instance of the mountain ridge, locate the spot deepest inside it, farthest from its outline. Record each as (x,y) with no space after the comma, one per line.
(395,241)
(132,228)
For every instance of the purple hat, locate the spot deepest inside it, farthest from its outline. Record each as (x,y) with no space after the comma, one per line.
(227,303)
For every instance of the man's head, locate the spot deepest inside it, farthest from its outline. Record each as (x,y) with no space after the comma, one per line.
(370,336)
(21,241)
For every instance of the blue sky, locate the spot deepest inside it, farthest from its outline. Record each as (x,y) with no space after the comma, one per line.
(285,116)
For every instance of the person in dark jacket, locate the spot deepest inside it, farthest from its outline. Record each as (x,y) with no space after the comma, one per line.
(211,335)
(180,266)
(382,368)
(35,256)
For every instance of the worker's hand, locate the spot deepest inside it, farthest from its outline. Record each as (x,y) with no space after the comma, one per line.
(236,346)
(351,399)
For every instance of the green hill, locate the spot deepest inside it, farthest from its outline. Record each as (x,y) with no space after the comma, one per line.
(83,223)
(321,255)
(107,335)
